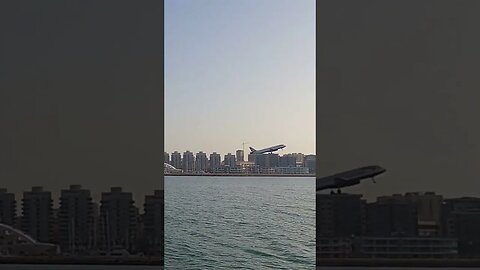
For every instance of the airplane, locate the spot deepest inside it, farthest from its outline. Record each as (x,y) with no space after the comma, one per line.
(348,178)
(266,150)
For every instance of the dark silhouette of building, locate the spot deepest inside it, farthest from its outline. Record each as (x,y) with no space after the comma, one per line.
(8,207)
(461,219)
(215,161)
(153,224)
(76,220)
(38,219)
(340,215)
(118,220)
(392,216)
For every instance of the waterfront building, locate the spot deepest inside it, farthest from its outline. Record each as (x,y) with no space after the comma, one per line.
(405,247)
(166,158)
(153,223)
(118,220)
(269,160)
(240,156)
(252,158)
(76,220)
(215,161)
(230,161)
(334,247)
(300,159)
(288,160)
(188,161)
(310,162)
(290,170)
(37,215)
(461,220)
(8,207)
(176,160)
(429,209)
(340,215)
(201,162)
(392,216)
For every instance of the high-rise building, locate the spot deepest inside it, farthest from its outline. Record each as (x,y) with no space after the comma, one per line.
(118,220)
(300,159)
(310,162)
(240,156)
(288,160)
(201,162)
(188,161)
(429,209)
(230,160)
(252,158)
(269,160)
(392,216)
(76,220)
(215,161)
(37,216)
(153,223)
(176,160)
(461,220)
(8,207)
(340,215)
(166,158)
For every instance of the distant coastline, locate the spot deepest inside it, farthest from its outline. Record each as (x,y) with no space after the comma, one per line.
(83,260)
(240,175)
(400,262)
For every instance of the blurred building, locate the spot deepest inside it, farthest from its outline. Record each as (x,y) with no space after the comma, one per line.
(166,158)
(176,160)
(8,207)
(392,216)
(429,209)
(461,219)
(201,162)
(153,222)
(269,160)
(215,161)
(340,215)
(118,220)
(188,161)
(288,160)
(310,162)
(76,220)
(240,156)
(37,215)
(230,161)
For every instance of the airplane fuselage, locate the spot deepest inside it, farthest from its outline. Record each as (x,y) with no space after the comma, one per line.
(267,150)
(348,178)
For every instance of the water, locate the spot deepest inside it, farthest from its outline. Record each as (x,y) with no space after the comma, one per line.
(239,223)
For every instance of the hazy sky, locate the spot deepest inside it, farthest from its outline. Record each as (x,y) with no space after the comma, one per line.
(239,71)
(398,86)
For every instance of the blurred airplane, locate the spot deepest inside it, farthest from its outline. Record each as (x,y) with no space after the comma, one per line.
(348,178)
(266,150)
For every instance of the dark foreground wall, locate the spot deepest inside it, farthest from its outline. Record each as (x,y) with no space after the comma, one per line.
(81,95)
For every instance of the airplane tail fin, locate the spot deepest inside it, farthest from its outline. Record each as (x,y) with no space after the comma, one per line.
(252,149)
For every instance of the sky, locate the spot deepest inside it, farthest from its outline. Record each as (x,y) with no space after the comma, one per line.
(80,98)
(398,87)
(239,71)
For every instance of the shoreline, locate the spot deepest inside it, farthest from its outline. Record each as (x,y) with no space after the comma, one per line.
(400,262)
(243,175)
(83,260)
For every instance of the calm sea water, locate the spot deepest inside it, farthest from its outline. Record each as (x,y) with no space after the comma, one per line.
(239,223)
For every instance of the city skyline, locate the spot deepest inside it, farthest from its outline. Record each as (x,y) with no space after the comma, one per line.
(239,71)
